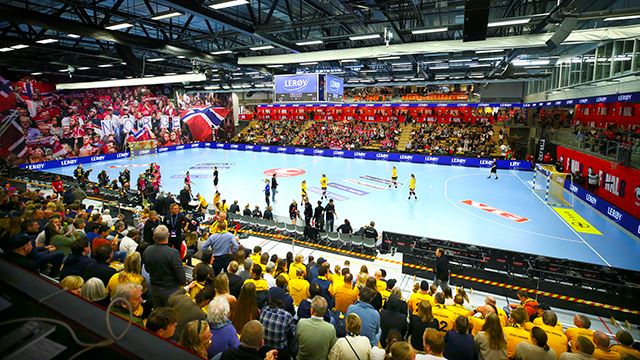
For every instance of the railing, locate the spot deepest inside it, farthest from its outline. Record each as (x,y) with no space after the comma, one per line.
(606,149)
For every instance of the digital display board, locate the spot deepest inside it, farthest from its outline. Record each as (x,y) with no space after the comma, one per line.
(334,88)
(294,88)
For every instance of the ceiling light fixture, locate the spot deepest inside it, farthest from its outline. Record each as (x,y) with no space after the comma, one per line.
(166,15)
(19,46)
(429,31)
(309,63)
(226,4)
(36,73)
(119,26)
(6,49)
(275,66)
(169,74)
(624,17)
(309,42)
(402,64)
(509,22)
(530,62)
(84,68)
(221,52)
(348,60)
(155,59)
(364,37)
(47,41)
(263,47)
(389,58)
(105,65)
(73,36)
(181,56)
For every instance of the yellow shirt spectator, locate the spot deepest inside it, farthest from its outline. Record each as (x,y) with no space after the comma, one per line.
(298,289)
(621,349)
(573,333)
(293,267)
(381,285)
(459,310)
(606,354)
(557,340)
(261,284)
(345,296)
(515,335)
(255,258)
(416,298)
(219,227)
(445,318)
(476,323)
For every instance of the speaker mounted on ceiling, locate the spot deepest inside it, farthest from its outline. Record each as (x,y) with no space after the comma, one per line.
(476,19)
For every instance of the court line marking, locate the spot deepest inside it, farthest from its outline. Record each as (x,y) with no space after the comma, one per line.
(446,196)
(560,217)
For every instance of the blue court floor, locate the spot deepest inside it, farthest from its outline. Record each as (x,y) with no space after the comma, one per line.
(361,194)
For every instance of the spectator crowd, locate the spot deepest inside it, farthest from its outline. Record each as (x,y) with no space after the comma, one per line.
(244,303)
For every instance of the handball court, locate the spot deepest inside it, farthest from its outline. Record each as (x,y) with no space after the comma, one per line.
(454,203)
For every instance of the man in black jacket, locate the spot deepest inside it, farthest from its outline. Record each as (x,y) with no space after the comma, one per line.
(164,267)
(308,212)
(17,250)
(442,270)
(185,198)
(152,222)
(176,222)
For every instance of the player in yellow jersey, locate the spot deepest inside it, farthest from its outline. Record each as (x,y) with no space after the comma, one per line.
(394,177)
(412,187)
(323,185)
(303,190)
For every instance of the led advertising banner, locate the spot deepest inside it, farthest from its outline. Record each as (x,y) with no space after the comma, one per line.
(335,89)
(291,88)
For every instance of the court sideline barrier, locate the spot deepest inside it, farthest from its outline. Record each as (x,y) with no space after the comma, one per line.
(622,218)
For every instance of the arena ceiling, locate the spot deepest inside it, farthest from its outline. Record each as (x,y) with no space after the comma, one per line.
(247,41)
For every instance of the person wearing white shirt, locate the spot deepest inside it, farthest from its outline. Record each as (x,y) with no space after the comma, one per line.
(353,346)
(433,341)
(129,242)
(106,216)
(268,275)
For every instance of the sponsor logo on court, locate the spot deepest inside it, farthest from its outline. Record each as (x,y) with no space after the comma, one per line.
(235,146)
(331,195)
(485,162)
(284,172)
(577,222)
(282,149)
(590,198)
(458,161)
(318,152)
(163,149)
(219,146)
(502,213)
(347,189)
(97,158)
(406,157)
(179,147)
(264,148)
(249,147)
(121,155)
(431,159)
(364,183)
(338,152)
(359,154)
(382,156)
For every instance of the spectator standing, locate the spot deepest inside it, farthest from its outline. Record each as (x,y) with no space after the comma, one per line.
(149,226)
(274,187)
(223,334)
(318,216)
(353,346)
(58,186)
(392,318)
(330,215)
(315,336)
(164,267)
(223,245)
(176,222)
(442,270)
(369,316)
(278,324)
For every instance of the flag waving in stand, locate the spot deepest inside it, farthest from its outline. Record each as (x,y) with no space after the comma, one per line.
(202,121)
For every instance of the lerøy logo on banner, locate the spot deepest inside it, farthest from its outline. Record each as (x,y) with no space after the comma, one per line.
(295,84)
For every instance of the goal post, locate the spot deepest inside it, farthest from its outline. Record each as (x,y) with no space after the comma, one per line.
(548,184)
(140,148)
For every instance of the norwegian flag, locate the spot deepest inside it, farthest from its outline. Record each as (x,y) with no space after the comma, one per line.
(7,97)
(202,121)
(141,135)
(28,88)
(11,134)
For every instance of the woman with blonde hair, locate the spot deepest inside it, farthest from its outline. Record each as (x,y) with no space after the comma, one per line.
(72,284)
(420,322)
(221,284)
(93,290)
(353,346)
(401,350)
(196,336)
(131,274)
(491,342)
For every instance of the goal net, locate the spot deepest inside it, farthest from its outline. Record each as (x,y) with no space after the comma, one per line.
(139,148)
(548,184)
